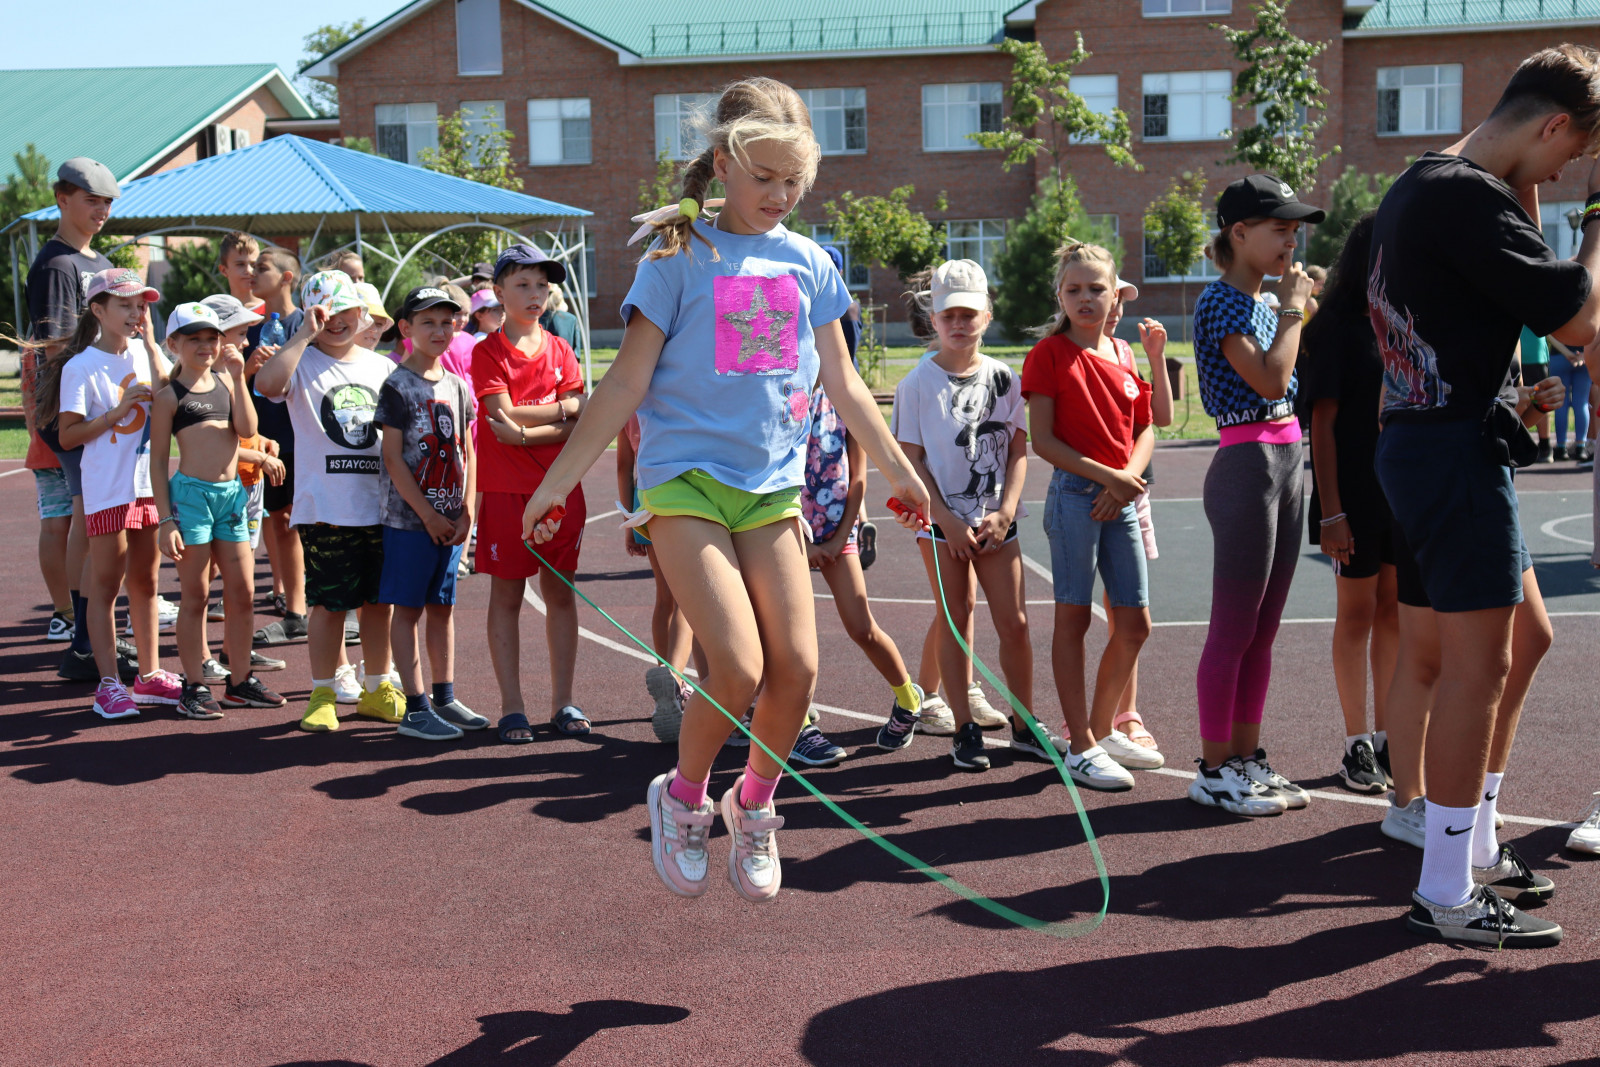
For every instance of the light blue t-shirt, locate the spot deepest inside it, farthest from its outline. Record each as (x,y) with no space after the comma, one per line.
(731,394)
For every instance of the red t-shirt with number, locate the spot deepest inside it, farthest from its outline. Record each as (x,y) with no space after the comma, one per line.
(499,367)
(1098,402)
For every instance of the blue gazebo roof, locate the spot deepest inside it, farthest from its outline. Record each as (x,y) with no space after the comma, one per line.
(291,185)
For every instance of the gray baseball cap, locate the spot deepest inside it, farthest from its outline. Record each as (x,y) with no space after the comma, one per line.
(89,175)
(230,311)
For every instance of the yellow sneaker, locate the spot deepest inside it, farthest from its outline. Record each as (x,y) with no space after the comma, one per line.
(386,703)
(321,716)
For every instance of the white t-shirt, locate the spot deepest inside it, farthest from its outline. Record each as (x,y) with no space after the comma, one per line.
(116,465)
(964,425)
(338,451)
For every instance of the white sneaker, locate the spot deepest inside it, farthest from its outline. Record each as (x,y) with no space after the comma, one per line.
(346,684)
(1231,788)
(1094,768)
(1261,772)
(984,713)
(935,717)
(1409,824)
(1130,753)
(166,614)
(1586,838)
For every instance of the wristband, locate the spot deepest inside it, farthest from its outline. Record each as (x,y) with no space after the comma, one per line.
(522,434)
(166,519)
(1331,519)
(1292,313)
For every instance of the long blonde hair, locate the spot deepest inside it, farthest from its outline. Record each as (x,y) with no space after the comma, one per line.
(47,373)
(755,109)
(1068,255)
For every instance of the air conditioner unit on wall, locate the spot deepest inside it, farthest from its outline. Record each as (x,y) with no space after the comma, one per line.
(241,139)
(219,139)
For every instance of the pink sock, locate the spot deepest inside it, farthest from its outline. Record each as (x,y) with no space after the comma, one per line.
(757,791)
(682,789)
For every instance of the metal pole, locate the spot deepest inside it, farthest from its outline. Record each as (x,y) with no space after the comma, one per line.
(358,235)
(582,295)
(22,323)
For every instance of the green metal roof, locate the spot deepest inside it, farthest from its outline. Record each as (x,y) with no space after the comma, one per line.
(125,117)
(1423,15)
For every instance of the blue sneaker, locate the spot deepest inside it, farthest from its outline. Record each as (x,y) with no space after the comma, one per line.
(458,714)
(427,726)
(815,750)
(902,725)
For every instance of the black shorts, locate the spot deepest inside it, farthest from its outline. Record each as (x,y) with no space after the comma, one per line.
(344,565)
(275,498)
(1372,528)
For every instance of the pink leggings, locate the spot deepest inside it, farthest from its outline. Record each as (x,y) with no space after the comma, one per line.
(1253,503)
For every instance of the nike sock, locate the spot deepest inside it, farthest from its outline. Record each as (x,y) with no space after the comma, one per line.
(322,683)
(686,792)
(757,790)
(443,692)
(1446,873)
(80,624)
(1351,739)
(417,704)
(905,695)
(1485,842)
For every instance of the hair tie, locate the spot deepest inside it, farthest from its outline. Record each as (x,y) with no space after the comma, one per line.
(689,208)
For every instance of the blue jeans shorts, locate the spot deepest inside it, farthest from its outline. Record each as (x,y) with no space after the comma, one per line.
(55,495)
(417,572)
(1080,546)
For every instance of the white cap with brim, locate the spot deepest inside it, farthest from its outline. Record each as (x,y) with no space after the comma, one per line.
(960,283)
(1127,290)
(191,318)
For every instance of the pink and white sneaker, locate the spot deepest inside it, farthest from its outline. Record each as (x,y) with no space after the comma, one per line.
(158,687)
(678,838)
(111,701)
(753,866)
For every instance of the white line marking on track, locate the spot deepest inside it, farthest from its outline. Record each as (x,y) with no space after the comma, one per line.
(1548,529)
(602,515)
(1044,572)
(8,474)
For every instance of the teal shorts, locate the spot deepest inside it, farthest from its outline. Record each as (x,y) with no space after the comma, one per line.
(209,511)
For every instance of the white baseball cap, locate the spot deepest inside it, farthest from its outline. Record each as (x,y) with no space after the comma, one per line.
(1127,290)
(960,283)
(192,317)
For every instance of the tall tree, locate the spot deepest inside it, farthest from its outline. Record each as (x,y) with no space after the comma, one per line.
(1025,266)
(1351,196)
(27,189)
(1279,81)
(886,231)
(483,157)
(318,43)
(1175,228)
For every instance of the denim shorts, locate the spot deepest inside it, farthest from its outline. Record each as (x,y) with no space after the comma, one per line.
(55,495)
(1080,545)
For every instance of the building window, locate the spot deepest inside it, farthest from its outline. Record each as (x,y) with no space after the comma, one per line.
(1300,118)
(1110,220)
(478,36)
(1162,8)
(404,130)
(1201,270)
(676,134)
(839,117)
(482,118)
(558,131)
(1558,232)
(855,274)
(1187,105)
(158,249)
(1099,92)
(951,112)
(1417,100)
(976,239)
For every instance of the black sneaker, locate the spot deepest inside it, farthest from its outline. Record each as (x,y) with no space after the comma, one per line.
(258,662)
(293,625)
(213,673)
(1512,879)
(60,628)
(1360,772)
(80,667)
(899,730)
(128,649)
(279,603)
(1545,455)
(1484,919)
(966,748)
(867,544)
(196,703)
(250,693)
(1381,757)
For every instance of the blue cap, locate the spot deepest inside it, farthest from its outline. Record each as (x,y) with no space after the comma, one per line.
(835,255)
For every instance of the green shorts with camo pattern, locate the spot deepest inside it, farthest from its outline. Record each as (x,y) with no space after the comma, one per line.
(344,565)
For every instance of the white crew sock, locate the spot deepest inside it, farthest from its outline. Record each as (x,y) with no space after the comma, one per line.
(1446,874)
(1485,842)
(322,683)
(1351,739)
(372,681)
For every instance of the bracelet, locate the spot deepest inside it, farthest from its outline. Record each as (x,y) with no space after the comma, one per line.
(522,434)
(1331,519)
(1292,313)
(1591,211)
(166,519)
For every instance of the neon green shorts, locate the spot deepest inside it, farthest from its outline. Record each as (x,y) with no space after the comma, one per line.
(697,493)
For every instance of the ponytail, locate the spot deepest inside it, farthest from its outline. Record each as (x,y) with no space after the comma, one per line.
(47,382)
(1070,254)
(673,235)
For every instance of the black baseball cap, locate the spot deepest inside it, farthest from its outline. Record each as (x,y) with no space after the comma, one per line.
(1262,196)
(419,299)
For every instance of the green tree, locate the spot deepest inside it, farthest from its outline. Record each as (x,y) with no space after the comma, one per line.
(662,187)
(191,275)
(1175,228)
(1027,261)
(485,158)
(318,43)
(27,189)
(886,231)
(1047,116)
(1279,81)
(1351,196)
(359,144)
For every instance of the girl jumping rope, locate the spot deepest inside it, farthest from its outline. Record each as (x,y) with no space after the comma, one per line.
(730,324)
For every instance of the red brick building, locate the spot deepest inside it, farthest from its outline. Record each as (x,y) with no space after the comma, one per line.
(593,89)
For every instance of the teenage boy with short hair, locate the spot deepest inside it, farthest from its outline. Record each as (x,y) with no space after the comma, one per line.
(428,477)
(330,385)
(236,262)
(1458,266)
(530,390)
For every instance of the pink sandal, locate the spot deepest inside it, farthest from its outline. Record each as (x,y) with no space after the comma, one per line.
(1138,735)
(1135,748)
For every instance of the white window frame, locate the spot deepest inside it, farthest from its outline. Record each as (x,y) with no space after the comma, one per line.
(1300,114)
(1205,7)
(1432,96)
(675,130)
(990,238)
(548,121)
(974,98)
(856,276)
(1109,217)
(828,106)
(1212,93)
(421,123)
(488,12)
(1100,96)
(1202,270)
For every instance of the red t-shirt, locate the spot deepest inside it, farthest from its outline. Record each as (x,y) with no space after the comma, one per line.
(498,367)
(1098,403)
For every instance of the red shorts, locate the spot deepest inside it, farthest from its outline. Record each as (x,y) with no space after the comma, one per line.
(501,552)
(135,516)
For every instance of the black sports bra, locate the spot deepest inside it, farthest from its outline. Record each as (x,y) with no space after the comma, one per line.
(214,405)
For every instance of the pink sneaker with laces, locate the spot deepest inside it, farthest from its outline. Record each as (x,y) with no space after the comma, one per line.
(678,838)
(159,687)
(753,866)
(111,701)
